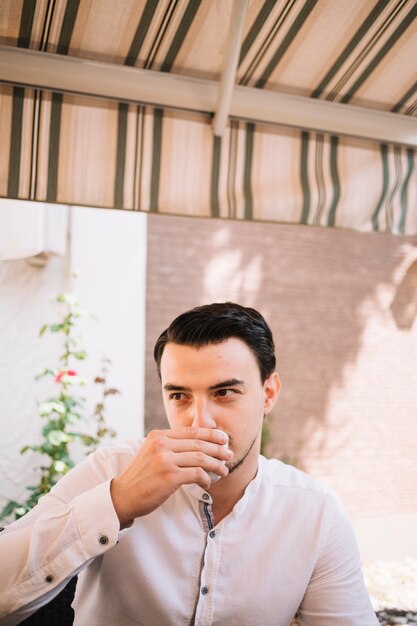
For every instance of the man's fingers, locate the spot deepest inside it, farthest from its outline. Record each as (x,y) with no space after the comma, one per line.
(201,460)
(192,439)
(198,446)
(195,475)
(211,435)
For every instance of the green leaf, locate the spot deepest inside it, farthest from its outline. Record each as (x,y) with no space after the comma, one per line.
(68,298)
(46,372)
(46,448)
(20,511)
(81,355)
(50,425)
(58,437)
(47,408)
(73,418)
(56,328)
(88,440)
(9,508)
(43,329)
(70,402)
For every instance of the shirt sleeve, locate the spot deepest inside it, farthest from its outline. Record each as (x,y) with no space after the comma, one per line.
(69,527)
(336,593)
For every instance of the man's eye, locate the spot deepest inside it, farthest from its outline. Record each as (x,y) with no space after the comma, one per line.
(225,393)
(177,396)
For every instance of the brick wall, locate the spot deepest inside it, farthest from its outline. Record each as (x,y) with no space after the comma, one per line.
(342,307)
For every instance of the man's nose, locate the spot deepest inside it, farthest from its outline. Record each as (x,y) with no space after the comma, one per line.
(203,415)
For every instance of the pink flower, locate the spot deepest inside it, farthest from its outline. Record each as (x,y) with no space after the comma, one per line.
(59,376)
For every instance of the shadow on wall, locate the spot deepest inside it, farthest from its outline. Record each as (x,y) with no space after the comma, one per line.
(318,288)
(404,304)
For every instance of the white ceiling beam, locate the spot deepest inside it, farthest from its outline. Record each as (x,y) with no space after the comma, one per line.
(227,81)
(56,72)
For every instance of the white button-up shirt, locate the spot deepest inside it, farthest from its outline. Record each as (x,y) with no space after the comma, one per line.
(286,546)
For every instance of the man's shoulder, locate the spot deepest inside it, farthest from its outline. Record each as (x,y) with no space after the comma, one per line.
(117,455)
(276,473)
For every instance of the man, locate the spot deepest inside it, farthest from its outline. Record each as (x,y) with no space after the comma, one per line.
(192,526)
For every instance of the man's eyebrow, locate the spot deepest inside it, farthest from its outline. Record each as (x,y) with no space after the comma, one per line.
(172,387)
(232,382)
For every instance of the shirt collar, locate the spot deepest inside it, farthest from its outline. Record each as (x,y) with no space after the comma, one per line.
(196,492)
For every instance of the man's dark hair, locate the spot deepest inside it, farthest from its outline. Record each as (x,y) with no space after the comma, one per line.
(214,323)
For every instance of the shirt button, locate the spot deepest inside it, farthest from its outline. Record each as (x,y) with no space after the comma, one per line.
(49,579)
(104,540)
(212,534)
(204,590)
(206,496)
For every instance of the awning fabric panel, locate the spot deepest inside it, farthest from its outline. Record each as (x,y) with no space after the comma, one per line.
(358,52)
(77,150)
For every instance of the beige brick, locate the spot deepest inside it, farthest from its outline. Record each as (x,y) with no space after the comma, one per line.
(342,308)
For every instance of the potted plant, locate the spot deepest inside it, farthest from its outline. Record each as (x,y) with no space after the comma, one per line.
(64,411)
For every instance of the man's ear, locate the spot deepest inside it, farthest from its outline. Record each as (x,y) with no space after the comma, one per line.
(272,387)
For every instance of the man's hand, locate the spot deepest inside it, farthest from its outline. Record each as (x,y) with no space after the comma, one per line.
(166,460)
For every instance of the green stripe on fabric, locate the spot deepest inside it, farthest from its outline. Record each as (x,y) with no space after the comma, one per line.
(34,140)
(26,23)
(389,211)
(54,137)
(404,190)
(15,142)
(121,154)
(334,143)
(408,94)
(23,41)
(321,188)
(180,35)
(385,183)
(256,27)
(68,24)
(156,159)
(412,108)
(271,36)
(67,29)
(341,59)
(247,172)
(140,34)
(400,30)
(130,60)
(215,177)
(288,39)
(305,138)
(166,66)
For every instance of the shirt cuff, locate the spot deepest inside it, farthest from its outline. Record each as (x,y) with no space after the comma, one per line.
(97,521)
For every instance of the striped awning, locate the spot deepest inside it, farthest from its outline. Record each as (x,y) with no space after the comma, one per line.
(88,146)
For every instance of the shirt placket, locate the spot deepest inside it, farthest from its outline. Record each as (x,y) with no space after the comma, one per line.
(211,561)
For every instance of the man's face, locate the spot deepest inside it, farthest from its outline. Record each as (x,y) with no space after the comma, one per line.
(218,386)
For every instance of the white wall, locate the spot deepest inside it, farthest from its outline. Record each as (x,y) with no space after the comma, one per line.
(109,258)
(109,253)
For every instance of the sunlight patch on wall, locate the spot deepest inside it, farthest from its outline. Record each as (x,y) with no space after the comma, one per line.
(229,275)
(377,391)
